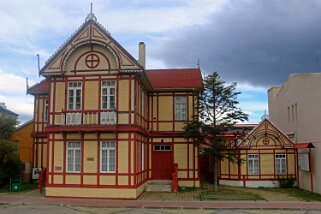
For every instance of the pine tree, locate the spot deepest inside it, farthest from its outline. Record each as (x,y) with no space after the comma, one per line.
(218,112)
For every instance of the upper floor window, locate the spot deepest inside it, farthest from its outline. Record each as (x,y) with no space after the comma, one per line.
(74,95)
(180,108)
(253,164)
(45,115)
(143,104)
(108,94)
(73,156)
(107,156)
(280,164)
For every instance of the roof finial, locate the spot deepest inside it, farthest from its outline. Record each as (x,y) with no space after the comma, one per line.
(265,116)
(91,15)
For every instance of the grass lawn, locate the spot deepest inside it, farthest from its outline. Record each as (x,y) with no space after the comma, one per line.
(295,192)
(224,194)
(24,187)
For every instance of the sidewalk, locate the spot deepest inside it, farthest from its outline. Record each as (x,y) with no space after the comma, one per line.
(32,199)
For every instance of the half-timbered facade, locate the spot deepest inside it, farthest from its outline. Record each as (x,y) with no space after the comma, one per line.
(104,125)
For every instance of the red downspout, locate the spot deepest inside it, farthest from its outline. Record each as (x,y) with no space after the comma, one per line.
(310,166)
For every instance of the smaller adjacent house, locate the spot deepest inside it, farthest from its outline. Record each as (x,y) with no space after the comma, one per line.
(267,155)
(23,135)
(4,111)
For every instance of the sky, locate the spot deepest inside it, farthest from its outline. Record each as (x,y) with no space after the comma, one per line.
(256,43)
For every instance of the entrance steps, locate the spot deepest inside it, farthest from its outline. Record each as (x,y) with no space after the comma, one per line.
(159,186)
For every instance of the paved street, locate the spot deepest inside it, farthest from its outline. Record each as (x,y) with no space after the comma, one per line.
(54,209)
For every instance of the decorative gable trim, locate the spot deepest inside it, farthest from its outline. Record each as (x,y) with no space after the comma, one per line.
(91,32)
(266,129)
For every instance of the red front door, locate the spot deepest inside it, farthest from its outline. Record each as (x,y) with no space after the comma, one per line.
(162,161)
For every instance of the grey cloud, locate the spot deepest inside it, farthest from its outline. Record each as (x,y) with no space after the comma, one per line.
(259,41)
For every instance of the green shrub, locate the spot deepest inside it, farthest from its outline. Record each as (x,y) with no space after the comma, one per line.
(10,165)
(286,182)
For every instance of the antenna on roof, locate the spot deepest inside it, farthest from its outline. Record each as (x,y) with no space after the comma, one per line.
(38,58)
(27,85)
(198,63)
(91,15)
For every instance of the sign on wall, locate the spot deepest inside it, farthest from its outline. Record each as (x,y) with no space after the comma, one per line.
(304,162)
(35,173)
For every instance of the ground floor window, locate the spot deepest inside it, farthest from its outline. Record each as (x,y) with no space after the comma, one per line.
(253,164)
(162,148)
(73,156)
(280,164)
(107,156)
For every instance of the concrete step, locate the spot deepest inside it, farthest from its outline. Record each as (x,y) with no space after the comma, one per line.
(159,186)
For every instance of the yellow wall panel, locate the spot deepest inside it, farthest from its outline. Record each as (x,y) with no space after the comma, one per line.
(267,163)
(58,179)
(123,180)
(191,156)
(165,126)
(107,180)
(179,126)
(93,192)
(73,136)
(123,157)
(291,164)
(107,135)
(60,96)
(123,95)
(165,108)
(180,157)
(90,179)
(91,95)
(123,118)
(58,136)
(58,155)
(72,179)
(90,156)
(90,136)
(182,174)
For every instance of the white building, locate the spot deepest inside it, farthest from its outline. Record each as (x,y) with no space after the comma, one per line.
(295,108)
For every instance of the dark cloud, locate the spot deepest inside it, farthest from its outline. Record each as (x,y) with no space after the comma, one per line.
(259,41)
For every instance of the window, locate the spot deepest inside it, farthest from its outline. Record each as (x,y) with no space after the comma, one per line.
(162,148)
(73,156)
(280,164)
(108,94)
(74,95)
(45,115)
(143,104)
(253,164)
(143,157)
(107,156)
(180,108)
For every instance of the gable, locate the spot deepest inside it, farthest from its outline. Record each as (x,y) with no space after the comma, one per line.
(266,135)
(91,48)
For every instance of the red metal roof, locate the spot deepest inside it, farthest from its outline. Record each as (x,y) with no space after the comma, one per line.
(175,78)
(40,88)
(303,145)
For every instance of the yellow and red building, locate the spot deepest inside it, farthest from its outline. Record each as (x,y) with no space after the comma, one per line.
(104,125)
(267,155)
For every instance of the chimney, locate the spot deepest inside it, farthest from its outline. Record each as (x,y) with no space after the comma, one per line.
(3,105)
(141,54)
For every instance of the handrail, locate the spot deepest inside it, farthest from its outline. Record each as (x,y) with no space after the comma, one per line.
(175,178)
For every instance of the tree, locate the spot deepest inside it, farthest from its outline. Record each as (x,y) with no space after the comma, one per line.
(218,112)
(10,165)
